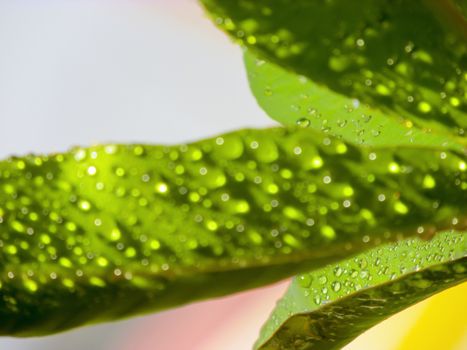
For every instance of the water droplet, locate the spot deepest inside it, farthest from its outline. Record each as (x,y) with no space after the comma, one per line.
(84,205)
(303,122)
(268,91)
(305,280)
(338,271)
(336,286)
(424,107)
(322,279)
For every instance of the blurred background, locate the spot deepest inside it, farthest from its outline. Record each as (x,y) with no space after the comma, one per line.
(78,72)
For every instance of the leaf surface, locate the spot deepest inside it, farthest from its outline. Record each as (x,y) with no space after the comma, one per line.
(328,308)
(462,6)
(110,231)
(397,57)
(293,99)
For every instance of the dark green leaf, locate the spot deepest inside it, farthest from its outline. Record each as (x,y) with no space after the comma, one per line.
(462,6)
(328,308)
(110,231)
(401,57)
(451,14)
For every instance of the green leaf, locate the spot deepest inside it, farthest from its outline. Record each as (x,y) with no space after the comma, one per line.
(401,58)
(451,14)
(109,231)
(462,6)
(292,99)
(328,308)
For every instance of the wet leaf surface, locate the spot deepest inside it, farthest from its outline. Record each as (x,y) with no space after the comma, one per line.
(328,308)
(110,231)
(293,99)
(401,57)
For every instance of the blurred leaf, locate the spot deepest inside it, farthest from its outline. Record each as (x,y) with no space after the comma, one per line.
(394,56)
(109,231)
(328,308)
(461,5)
(451,14)
(292,99)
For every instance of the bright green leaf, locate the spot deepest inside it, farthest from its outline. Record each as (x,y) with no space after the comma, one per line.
(401,57)
(292,99)
(328,308)
(110,231)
